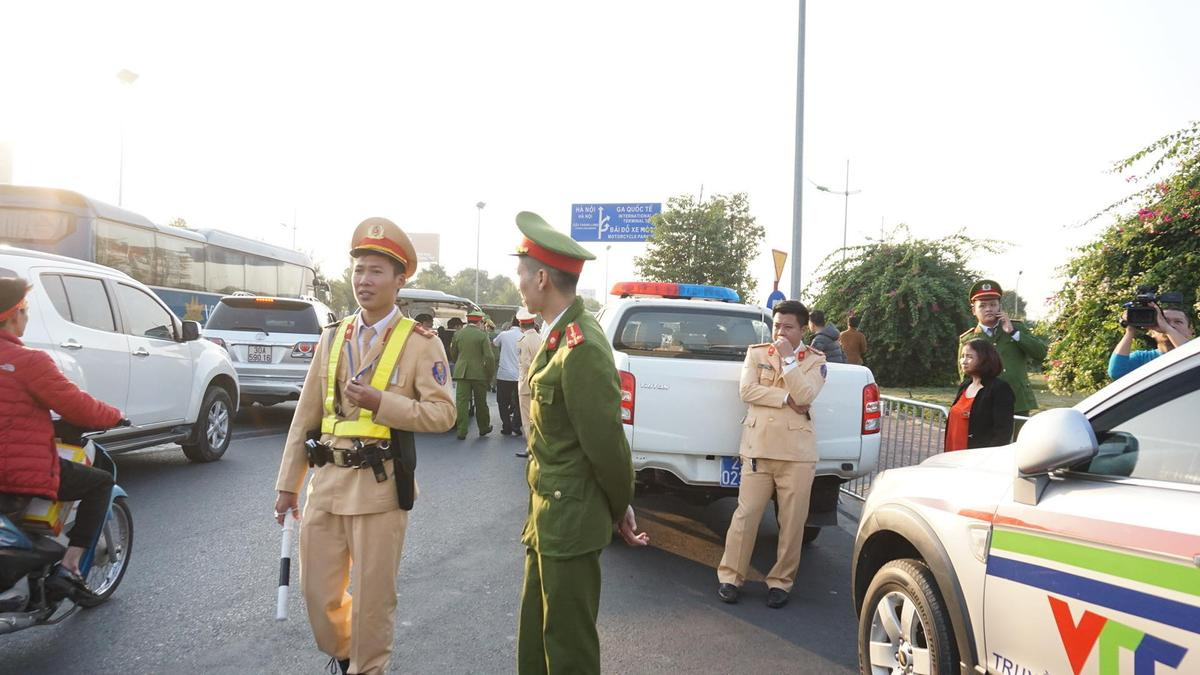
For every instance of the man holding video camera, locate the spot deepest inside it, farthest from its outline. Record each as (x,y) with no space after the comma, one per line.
(1169,328)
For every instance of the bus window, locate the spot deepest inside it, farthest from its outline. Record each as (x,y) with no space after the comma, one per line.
(291,280)
(179,263)
(126,248)
(34,226)
(261,277)
(226,270)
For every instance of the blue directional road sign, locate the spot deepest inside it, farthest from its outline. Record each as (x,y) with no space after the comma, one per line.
(612,222)
(775,296)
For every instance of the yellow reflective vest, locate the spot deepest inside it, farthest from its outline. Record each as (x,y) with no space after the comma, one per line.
(364,426)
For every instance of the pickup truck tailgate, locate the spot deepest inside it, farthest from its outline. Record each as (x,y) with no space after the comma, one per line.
(686,406)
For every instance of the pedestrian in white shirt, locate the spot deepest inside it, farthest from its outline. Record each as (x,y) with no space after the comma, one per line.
(507,374)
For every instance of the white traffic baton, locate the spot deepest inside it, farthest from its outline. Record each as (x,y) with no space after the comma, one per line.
(285,565)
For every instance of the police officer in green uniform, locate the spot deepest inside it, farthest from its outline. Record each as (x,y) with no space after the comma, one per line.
(474,363)
(1018,346)
(580,470)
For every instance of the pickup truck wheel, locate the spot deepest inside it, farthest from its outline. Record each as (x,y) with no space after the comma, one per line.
(903,626)
(210,435)
(810,534)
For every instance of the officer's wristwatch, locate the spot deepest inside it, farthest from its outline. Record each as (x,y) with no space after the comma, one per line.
(789,360)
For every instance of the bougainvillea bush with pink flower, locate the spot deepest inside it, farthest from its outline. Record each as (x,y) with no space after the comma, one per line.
(910,295)
(1154,239)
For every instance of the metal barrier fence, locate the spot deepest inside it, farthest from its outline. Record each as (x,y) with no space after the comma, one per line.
(910,432)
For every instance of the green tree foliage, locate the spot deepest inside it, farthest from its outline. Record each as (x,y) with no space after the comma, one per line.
(341,294)
(497,290)
(710,242)
(911,297)
(1159,244)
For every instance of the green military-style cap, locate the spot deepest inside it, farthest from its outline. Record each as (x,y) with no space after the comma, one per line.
(547,245)
(984,288)
(474,316)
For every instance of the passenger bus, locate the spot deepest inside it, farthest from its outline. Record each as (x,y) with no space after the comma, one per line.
(189,269)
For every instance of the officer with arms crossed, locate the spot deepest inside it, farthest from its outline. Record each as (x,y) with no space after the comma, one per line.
(780,380)
(376,378)
(580,471)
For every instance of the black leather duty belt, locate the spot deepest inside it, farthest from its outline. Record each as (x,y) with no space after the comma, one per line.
(360,456)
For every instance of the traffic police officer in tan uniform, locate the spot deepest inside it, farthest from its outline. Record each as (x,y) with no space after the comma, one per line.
(779,381)
(375,378)
(580,471)
(527,348)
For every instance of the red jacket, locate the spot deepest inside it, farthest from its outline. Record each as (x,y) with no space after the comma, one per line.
(30,387)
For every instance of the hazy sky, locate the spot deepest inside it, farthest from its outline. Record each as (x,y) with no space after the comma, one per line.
(998,118)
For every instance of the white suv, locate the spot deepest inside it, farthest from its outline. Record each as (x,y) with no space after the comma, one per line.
(270,340)
(119,342)
(1074,550)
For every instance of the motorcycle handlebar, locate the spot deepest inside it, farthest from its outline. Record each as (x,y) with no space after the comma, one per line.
(70,433)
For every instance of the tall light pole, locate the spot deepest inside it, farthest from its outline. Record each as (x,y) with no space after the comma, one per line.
(798,182)
(607,257)
(478,222)
(127,78)
(846,210)
(1015,287)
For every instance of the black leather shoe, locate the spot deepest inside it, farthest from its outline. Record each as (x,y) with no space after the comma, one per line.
(517,432)
(485,432)
(776,598)
(521,454)
(461,438)
(505,432)
(728,593)
(335,665)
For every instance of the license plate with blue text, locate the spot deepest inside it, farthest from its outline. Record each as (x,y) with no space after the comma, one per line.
(731,471)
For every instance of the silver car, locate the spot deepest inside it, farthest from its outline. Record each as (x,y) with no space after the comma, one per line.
(270,340)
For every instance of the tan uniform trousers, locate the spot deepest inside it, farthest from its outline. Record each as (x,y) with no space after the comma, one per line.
(363,551)
(524,398)
(792,483)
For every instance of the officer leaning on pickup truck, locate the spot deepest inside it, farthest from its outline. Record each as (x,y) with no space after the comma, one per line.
(376,378)
(780,380)
(580,471)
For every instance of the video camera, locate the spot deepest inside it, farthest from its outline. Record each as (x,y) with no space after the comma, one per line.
(1139,313)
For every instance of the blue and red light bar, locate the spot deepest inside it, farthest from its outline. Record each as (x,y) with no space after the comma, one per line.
(666,289)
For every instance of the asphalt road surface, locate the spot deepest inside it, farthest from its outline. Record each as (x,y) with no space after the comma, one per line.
(199,596)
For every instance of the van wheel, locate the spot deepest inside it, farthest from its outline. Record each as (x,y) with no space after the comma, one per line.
(210,436)
(903,626)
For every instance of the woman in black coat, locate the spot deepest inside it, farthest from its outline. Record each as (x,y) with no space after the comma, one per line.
(982,413)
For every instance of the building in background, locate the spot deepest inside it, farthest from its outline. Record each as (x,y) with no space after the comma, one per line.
(428,246)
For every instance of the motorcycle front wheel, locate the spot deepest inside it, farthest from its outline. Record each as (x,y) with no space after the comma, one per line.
(111,556)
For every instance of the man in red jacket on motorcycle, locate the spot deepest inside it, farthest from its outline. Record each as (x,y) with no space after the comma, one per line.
(30,387)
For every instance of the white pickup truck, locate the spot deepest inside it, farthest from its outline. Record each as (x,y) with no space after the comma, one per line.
(680,361)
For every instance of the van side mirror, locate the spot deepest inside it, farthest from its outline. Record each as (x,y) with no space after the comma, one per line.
(1051,440)
(191,331)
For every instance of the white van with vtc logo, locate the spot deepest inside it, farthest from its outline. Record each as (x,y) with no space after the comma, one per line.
(679,350)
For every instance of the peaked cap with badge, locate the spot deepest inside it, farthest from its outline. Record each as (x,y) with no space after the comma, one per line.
(984,289)
(580,473)
(547,245)
(380,235)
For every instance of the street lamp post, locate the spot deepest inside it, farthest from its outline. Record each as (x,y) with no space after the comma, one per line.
(478,222)
(607,257)
(1015,287)
(846,209)
(127,78)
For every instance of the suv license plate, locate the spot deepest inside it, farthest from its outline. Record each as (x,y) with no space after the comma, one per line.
(731,471)
(258,354)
